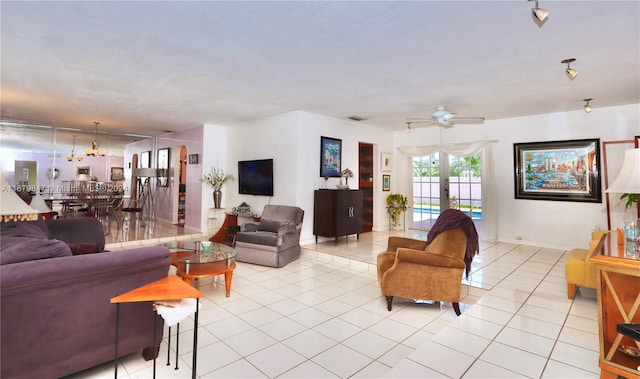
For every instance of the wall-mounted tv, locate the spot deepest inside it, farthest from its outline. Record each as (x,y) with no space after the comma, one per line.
(255,177)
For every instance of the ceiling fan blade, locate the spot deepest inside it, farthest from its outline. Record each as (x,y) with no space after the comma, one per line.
(466,120)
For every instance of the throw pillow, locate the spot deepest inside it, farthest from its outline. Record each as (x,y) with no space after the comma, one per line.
(22,249)
(268,225)
(83,248)
(31,229)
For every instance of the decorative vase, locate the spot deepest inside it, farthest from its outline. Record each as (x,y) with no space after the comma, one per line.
(217,198)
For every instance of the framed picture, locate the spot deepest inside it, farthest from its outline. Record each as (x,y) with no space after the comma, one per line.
(117,174)
(330,157)
(193,158)
(163,167)
(558,170)
(385,162)
(386,182)
(83,173)
(145,159)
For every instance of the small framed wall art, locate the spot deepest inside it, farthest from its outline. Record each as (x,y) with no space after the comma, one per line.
(386,182)
(117,174)
(385,162)
(193,158)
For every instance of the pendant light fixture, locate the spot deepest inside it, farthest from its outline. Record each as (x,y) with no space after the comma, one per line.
(571,73)
(540,16)
(587,107)
(73,152)
(94,146)
(408,127)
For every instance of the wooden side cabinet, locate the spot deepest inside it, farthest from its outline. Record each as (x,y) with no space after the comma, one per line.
(618,290)
(337,213)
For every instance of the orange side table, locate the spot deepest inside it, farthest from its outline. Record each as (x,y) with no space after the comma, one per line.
(169,288)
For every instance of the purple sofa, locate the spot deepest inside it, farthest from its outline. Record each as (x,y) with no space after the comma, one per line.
(56,315)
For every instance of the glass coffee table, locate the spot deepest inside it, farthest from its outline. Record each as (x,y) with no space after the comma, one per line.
(193,262)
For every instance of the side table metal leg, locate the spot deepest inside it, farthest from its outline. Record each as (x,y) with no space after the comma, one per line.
(177,344)
(117,330)
(155,324)
(169,349)
(195,340)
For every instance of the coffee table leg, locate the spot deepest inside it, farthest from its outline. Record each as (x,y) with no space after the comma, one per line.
(228,277)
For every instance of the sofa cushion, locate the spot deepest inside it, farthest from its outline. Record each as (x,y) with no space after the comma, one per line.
(22,249)
(83,248)
(269,225)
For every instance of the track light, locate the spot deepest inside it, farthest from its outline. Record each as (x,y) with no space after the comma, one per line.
(571,73)
(587,107)
(540,16)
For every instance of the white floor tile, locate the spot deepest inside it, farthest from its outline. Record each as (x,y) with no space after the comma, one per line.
(275,359)
(576,356)
(342,361)
(443,359)
(557,370)
(486,370)
(510,358)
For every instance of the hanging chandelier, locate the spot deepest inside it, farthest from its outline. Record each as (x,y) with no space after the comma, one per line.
(94,146)
(73,152)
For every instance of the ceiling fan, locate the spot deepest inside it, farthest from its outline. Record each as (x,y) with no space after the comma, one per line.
(442,117)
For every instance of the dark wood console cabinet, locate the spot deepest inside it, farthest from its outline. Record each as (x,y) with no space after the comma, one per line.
(337,213)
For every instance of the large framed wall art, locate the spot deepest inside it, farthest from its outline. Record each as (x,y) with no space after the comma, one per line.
(330,157)
(558,170)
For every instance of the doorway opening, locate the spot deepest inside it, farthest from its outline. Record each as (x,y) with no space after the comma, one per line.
(442,181)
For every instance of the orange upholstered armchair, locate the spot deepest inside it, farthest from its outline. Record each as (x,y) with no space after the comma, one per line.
(430,270)
(578,269)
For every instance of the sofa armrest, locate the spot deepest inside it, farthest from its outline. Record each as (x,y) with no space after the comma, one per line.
(77,230)
(429,259)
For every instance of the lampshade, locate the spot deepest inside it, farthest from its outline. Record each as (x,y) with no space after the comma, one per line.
(145,172)
(38,203)
(12,207)
(628,180)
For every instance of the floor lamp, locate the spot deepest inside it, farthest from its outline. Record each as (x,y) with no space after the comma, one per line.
(145,194)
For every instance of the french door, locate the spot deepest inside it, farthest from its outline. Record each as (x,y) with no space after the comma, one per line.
(442,181)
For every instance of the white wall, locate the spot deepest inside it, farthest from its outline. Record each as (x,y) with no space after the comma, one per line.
(293,141)
(545,223)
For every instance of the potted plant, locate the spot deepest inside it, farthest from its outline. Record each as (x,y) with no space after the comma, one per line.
(396,204)
(630,199)
(216,178)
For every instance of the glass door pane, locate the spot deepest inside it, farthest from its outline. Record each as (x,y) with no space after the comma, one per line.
(442,181)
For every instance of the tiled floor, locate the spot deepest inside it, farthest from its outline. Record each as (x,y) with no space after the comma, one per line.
(323,316)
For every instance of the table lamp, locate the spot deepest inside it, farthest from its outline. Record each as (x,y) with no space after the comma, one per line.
(628,182)
(12,207)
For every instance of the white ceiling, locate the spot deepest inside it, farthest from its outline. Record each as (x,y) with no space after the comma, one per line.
(148,67)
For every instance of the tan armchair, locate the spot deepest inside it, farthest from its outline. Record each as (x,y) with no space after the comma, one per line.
(578,269)
(431,273)
(432,269)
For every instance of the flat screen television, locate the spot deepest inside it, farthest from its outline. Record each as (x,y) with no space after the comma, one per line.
(255,177)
